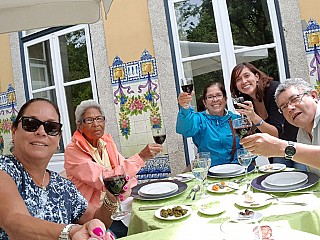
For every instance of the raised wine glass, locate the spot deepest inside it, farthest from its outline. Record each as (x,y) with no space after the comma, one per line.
(159,134)
(237,100)
(114,181)
(242,126)
(187,85)
(199,168)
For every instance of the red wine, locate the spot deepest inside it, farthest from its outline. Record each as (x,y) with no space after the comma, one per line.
(187,88)
(237,100)
(243,131)
(115,184)
(159,139)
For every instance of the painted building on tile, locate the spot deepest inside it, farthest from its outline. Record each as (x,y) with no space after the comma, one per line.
(132,63)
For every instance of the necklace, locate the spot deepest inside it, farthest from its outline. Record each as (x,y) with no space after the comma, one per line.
(43,179)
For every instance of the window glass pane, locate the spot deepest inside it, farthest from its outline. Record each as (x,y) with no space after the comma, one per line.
(264,59)
(196,27)
(74,95)
(51,95)
(74,57)
(250,22)
(203,72)
(40,65)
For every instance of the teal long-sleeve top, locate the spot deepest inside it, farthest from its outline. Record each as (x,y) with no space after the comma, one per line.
(209,133)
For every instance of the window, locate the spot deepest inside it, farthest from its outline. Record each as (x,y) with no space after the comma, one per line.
(211,36)
(59,67)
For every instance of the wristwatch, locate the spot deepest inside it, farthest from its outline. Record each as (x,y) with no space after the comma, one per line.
(64,235)
(290,150)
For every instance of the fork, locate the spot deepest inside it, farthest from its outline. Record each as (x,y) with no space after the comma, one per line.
(287,202)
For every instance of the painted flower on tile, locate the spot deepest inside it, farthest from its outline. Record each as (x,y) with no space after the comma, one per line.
(124,123)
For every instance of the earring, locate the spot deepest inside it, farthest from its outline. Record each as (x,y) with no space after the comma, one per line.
(58,148)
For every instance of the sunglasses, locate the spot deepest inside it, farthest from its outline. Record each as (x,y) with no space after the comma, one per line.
(31,124)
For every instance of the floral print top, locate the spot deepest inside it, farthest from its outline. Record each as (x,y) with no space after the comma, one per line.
(59,202)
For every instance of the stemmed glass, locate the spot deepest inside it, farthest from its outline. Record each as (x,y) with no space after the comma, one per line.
(187,85)
(206,155)
(242,126)
(245,159)
(114,181)
(199,168)
(159,134)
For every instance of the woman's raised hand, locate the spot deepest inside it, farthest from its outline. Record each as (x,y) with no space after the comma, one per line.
(185,98)
(150,151)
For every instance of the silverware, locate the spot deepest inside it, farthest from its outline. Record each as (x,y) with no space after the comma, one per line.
(157,207)
(238,180)
(192,190)
(195,192)
(287,202)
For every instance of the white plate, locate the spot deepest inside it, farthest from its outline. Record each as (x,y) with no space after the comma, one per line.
(274,167)
(184,177)
(223,190)
(286,178)
(259,200)
(284,188)
(225,169)
(255,218)
(158,189)
(157,213)
(212,208)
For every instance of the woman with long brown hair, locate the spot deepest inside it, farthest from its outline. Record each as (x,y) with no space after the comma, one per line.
(258,89)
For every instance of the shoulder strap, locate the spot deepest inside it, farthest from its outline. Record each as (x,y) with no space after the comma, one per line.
(233,138)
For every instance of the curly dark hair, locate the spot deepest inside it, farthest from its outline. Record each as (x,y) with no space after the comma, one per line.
(263,82)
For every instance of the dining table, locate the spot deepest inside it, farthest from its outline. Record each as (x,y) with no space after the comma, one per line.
(278,211)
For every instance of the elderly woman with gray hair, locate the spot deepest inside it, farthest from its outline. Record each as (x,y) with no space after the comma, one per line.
(91,150)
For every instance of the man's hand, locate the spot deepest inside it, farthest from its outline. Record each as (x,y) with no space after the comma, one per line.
(264,144)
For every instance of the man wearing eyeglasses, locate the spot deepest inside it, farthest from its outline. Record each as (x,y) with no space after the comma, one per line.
(298,102)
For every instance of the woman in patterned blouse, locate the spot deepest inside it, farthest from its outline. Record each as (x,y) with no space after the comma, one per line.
(37,203)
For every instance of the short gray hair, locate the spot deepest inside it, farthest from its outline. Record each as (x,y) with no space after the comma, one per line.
(84,106)
(297,83)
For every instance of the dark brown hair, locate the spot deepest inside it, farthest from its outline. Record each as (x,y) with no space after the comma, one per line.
(218,84)
(27,104)
(263,82)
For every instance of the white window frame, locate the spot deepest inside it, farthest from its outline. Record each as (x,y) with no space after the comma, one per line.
(59,84)
(227,51)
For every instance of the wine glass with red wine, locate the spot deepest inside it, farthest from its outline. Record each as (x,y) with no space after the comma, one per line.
(159,134)
(114,181)
(242,126)
(187,85)
(237,100)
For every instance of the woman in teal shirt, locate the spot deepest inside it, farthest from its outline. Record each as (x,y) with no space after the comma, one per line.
(211,130)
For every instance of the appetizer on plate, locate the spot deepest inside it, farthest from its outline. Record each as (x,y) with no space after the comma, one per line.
(222,187)
(247,216)
(173,212)
(253,200)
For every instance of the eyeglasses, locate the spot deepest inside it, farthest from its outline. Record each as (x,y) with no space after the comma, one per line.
(31,124)
(219,97)
(294,100)
(90,120)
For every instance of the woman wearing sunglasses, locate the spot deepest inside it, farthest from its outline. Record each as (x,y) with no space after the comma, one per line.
(37,203)
(91,150)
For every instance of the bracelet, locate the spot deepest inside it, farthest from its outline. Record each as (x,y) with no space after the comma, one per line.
(111,206)
(64,235)
(259,123)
